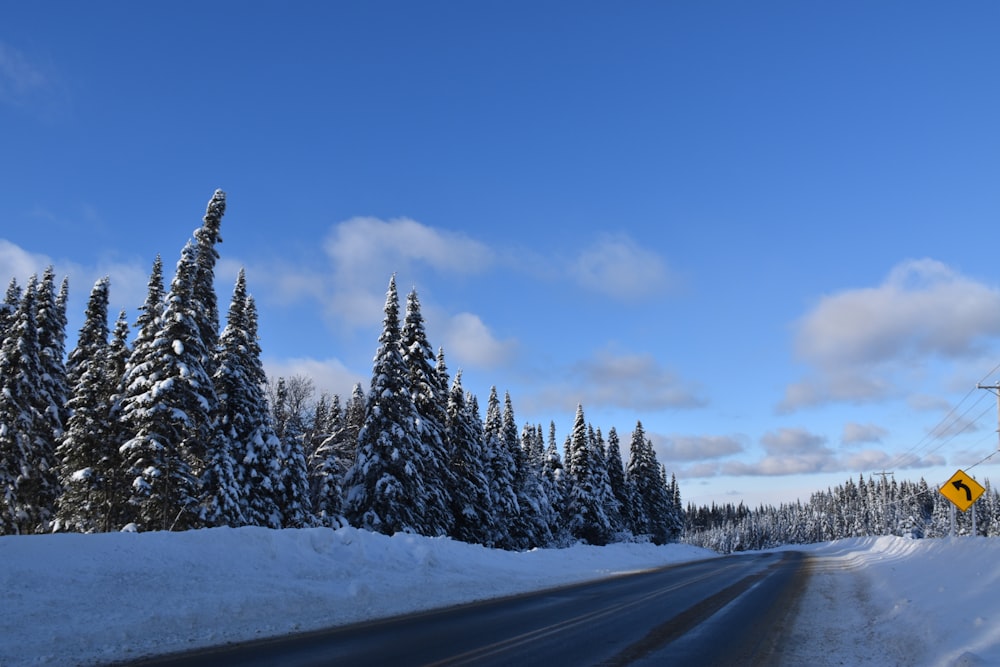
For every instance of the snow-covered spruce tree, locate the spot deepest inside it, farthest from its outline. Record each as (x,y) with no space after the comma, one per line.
(608,500)
(138,376)
(620,487)
(554,480)
(521,528)
(585,512)
(205,306)
(256,449)
(89,462)
(652,514)
(642,473)
(11,300)
(537,512)
(223,489)
(148,322)
(118,347)
(383,487)
(470,496)
(119,353)
(92,340)
(292,481)
(50,317)
(430,397)
(168,408)
(354,421)
(500,471)
(528,527)
(28,481)
(675,516)
(336,456)
(327,466)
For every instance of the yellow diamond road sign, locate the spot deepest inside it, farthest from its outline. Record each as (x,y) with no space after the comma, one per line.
(962,490)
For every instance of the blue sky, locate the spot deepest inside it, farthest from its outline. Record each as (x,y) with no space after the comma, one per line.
(767,230)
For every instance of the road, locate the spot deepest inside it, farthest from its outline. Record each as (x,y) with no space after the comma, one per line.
(724,611)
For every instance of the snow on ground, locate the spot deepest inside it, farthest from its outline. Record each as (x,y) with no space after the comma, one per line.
(88,599)
(893,601)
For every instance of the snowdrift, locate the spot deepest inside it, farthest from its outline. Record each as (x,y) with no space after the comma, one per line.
(85,599)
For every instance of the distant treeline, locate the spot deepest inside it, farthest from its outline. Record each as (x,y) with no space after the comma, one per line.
(854,509)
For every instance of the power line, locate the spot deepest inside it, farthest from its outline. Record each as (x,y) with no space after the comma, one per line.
(944,426)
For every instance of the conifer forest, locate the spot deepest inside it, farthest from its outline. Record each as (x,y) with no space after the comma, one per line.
(170,423)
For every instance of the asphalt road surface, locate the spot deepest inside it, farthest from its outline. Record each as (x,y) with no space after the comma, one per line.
(724,611)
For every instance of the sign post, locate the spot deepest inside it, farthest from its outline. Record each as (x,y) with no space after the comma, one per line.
(962,490)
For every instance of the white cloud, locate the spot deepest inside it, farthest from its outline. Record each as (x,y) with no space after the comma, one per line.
(619,267)
(16,262)
(128,279)
(363,253)
(611,379)
(871,459)
(696,447)
(773,466)
(793,441)
(797,451)
(856,433)
(788,451)
(857,341)
(923,307)
(469,342)
(364,245)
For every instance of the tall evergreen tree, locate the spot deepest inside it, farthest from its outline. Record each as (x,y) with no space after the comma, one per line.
(205,304)
(119,353)
(470,496)
(28,479)
(620,487)
(537,513)
(257,450)
(675,516)
(137,378)
(554,476)
(148,322)
(586,517)
(651,515)
(11,300)
(328,467)
(354,421)
(50,318)
(170,414)
(385,481)
(89,462)
(606,497)
(430,397)
(223,493)
(292,481)
(501,471)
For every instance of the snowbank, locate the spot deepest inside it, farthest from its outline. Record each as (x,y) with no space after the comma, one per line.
(894,601)
(85,599)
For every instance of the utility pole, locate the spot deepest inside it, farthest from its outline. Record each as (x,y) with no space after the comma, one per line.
(996,390)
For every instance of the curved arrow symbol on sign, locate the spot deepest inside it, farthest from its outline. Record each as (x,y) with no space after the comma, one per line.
(959,485)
